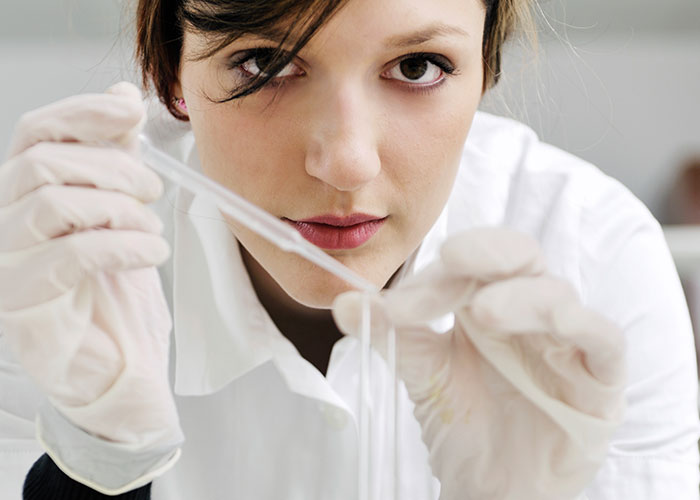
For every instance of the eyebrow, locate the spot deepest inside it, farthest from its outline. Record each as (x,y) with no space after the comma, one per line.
(424,35)
(395,42)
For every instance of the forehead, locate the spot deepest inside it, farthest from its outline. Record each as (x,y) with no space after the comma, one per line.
(378,24)
(369,17)
(396,23)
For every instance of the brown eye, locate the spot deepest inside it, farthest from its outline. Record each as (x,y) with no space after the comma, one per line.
(263,60)
(259,62)
(419,69)
(414,68)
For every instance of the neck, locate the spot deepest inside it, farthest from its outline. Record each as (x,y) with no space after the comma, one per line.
(312,331)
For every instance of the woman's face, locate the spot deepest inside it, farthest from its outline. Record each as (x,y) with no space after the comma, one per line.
(359,145)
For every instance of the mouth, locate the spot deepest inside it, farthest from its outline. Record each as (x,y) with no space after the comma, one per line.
(332,232)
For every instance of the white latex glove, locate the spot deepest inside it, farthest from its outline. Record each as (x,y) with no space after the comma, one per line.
(519,400)
(81,303)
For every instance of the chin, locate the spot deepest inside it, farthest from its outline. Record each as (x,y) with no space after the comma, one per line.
(317,291)
(282,276)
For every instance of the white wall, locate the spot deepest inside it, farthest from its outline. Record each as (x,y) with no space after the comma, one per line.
(38,73)
(50,49)
(629,102)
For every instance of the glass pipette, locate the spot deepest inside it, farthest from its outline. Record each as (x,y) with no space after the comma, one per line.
(244,212)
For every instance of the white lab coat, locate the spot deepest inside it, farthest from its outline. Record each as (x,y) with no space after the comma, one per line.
(262,423)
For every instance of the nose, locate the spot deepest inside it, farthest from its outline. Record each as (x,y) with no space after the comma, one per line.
(342,148)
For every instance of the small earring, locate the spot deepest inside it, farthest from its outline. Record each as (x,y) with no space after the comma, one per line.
(180,103)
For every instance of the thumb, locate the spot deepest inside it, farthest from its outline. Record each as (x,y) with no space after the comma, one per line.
(469,260)
(420,352)
(353,309)
(489,254)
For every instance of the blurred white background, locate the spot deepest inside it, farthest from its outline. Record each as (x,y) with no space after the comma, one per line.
(50,49)
(616,82)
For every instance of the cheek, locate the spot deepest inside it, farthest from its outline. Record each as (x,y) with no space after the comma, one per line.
(250,153)
(421,156)
(422,150)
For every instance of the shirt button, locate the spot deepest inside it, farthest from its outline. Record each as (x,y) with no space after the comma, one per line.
(336,418)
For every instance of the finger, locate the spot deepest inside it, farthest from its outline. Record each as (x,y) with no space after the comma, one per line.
(128,140)
(427,295)
(54,211)
(420,352)
(468,260)
(492,253)
(602,342)
(521,305)
(47,270)
(77,164)
(349,310)
(83,118)
(547,305)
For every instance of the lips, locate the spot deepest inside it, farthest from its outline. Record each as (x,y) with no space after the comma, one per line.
(333,232)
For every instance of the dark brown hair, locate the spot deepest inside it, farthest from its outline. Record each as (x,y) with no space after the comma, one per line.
(160,27)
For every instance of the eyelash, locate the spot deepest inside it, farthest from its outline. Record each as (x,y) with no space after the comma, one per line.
(438,60)
(240,58)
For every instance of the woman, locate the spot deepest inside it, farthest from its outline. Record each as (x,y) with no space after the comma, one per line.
(356,123)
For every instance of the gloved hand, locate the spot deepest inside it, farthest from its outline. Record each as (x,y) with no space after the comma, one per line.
(518,400)
(81,303)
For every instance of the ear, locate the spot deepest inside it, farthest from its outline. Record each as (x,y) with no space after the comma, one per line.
(178,106)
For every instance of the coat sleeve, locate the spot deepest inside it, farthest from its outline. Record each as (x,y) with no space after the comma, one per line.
(627,274)
(19,401)
(23,464)
(46,481)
